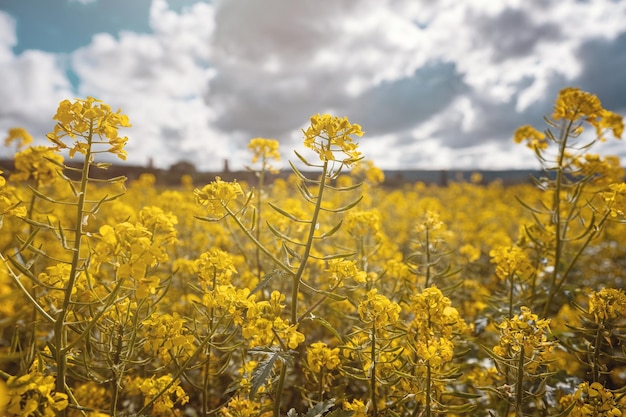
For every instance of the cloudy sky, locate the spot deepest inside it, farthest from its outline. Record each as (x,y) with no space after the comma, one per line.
(435,84)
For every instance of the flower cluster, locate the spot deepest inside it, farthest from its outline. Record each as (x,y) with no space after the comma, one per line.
(263,149)
(329,134)
(534,139)
(86,119)
(34,394)
(378,309)
(511,261)
(607,304)
(573,104)
(18,135)
(39,163)
(217,195)
(264,326)
(525,333)
(342,269)
(592,400)
(168,337)
(154,389)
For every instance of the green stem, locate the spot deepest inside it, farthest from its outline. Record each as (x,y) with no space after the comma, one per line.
(207,375)
(254,240)
(427,258)
(309,244)
(321,387)
(597,347)
(428,390)
(556,214)
(511,289)
(279,389)
(60,327)
(519,387)
(373,372)
(205,386)
(590,236)
(259,202)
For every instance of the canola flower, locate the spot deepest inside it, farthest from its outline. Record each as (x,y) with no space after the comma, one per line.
(330,135)
(18,135)
(88,119)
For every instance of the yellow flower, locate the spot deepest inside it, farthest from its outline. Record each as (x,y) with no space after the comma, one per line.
(612,121)
(215,266)
(371,173)
(329,134)
(511,261)
(341,269)
(434,314)
(523,332)
(19,135)
(361,223)
(607,304)
(615,199)
(378,309)
(39,163)
(263,149)
(357,407)
(33,394)
(241,407)
(573,104)
(592,400)
(534,138)
(319,356)
(217,195)
(88,119)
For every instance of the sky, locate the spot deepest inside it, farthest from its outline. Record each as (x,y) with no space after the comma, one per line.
(435,84)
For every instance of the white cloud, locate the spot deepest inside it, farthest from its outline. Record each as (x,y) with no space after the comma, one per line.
(159,80)
(33,83)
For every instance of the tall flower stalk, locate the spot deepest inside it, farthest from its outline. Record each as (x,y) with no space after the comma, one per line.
(331,138)
(92,125)
(568,220)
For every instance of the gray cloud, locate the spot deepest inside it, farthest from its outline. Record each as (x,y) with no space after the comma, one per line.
(513,33)
(395,106)
(604,71)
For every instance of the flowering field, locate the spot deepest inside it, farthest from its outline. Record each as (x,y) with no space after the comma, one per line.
(323,294)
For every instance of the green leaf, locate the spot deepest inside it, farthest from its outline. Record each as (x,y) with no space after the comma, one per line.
(329,257)
(331,231)
(49,199)
(283,236)
(320,408)
(262,373)
(333,296)
(460,394)
(328,326)
(305,161)
(494,355)
(265,280)
(287,214)
(344,208)
(346,188)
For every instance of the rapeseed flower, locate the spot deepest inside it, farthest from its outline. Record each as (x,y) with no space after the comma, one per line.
(87,119)
(328,135)
(18,135)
